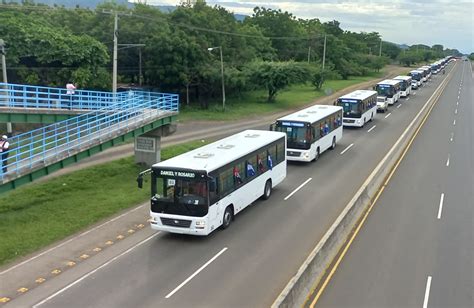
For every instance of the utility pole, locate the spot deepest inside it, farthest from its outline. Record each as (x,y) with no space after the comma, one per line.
(309,53)
(380,50)
(114,70)
(324,51)
(5,80)
(140,76)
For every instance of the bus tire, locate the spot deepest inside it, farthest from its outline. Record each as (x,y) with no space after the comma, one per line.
(267,190)
(363,123)
(317,155)
(333,145)
(227,217)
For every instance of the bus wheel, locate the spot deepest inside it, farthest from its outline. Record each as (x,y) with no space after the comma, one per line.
(317,155)
(267,191)
(227,218)
(333,145)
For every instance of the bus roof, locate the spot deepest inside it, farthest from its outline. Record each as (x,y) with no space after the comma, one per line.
(311,114)
(359,94)
(417,71)
(390,82)
(217,154)
(406,78)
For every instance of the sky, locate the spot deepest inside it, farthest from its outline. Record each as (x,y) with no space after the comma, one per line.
(429,22)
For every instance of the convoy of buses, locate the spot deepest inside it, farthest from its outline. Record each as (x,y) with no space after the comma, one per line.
(202,190)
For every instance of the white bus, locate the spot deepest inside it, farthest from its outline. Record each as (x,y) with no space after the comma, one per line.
(405,86)
(201,190)
(428,70)
(417,76)
(311,131)
(390,89)
(359,107)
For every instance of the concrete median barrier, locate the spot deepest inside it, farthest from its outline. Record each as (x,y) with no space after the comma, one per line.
(321,257)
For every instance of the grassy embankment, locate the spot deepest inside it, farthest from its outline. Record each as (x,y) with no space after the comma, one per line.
(39,214)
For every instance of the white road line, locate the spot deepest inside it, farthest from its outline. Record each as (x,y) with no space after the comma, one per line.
(454,122)
(345,150)
(95,270)
(298,188)
(372,128)
(400,105)
(441,201)
(457,103)
(407,98)
(452,137)
(427,292)
(388,115)
(71,239)
(458,96)
(456,111)
(196,272)
(447,162)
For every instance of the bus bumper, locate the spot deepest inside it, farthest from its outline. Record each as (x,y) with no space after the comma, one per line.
(179,224)
(302,156)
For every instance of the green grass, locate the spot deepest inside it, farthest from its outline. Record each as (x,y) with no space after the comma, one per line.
(254,103)
(37,215)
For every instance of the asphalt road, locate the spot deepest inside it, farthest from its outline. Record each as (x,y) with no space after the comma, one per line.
(416,248)
(248,264)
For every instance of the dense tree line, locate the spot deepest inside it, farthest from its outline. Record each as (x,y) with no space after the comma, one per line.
(270,49)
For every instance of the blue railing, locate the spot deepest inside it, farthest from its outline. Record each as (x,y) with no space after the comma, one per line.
(44,146)
(26,96)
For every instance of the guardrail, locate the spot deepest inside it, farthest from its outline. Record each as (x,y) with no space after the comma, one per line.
(26,96)
(60,140)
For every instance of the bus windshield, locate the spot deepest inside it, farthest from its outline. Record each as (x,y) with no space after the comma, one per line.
(297,135)
(351,108)
(187,197)
(385,90)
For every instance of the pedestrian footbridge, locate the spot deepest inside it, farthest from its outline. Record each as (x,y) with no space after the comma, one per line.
(83,124)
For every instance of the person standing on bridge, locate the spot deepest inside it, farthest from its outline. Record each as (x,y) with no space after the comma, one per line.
(4,147)
(70,90)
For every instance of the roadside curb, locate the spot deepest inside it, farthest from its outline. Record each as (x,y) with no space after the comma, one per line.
(321,257)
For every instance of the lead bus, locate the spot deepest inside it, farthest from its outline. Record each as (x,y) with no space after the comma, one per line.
(311,131)
(359,107)
(203,189)
(389,88)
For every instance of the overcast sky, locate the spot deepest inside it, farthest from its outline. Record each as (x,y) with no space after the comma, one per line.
(428,22)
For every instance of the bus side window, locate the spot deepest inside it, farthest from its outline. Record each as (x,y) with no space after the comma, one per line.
(251,165)
(213,192)
(262,162)
(273,156)
(225,182)
(280,155)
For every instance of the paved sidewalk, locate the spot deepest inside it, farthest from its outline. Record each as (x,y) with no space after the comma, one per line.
(65,261)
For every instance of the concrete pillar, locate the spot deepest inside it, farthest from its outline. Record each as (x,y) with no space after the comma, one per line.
(148,146)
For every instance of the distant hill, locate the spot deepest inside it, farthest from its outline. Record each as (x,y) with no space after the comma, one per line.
(403,46)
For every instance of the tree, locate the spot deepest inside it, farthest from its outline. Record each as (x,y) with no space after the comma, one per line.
(275,76)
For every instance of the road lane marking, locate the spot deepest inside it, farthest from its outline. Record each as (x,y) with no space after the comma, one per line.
(399,105)
(456,111)
(196,272)
(372,128)
(441,201)
(345,150)
(447,162)
(388,115)
(298,188)
(458,96)
(95,270)
(457,103)
(408,98)
(427,292)
(452,137)
(454,122)
(72,239)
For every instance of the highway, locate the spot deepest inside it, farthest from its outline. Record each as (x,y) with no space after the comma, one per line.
(251,262)
(416,247)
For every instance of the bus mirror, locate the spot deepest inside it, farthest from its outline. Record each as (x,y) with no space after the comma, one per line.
(140,181)
(272,127)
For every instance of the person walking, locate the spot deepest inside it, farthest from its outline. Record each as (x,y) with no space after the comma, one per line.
(4,147)
(70,90)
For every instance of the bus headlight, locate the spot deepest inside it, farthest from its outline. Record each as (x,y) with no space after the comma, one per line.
(200,224)
(306,155)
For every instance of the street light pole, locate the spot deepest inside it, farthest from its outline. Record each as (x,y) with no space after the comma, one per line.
(324,51)
(380,49)
(114,70)
(222,73)
(4,70)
